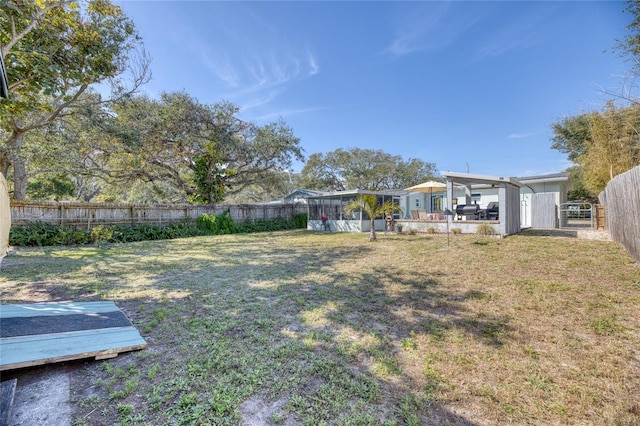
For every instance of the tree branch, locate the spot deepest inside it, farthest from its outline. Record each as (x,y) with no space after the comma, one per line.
(16,37)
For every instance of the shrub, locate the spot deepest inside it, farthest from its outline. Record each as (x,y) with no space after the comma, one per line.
(266,225)
(485,229)
(456,231)
(300,221)
(101,233)
(217,224)
(41,234)
(431,230)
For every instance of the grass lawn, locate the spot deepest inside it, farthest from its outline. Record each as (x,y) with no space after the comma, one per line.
(300,328)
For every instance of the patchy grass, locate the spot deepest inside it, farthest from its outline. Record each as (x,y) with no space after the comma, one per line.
(303,328)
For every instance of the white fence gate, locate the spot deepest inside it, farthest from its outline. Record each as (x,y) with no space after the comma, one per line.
(543,211)
(576,215)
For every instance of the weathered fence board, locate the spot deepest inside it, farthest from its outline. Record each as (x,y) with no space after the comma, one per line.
(544,210)
(621,199)
(85,215)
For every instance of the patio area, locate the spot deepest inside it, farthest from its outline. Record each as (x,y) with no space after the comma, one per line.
(466,212)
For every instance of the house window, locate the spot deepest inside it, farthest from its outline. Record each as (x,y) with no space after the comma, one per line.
(417,202)
(436,202)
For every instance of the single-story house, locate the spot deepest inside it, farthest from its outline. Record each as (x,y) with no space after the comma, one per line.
(508,204)
(330,206)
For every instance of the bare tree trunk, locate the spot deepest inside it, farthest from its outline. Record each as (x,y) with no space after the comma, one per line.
(14,157)
(372,234)
(19,178)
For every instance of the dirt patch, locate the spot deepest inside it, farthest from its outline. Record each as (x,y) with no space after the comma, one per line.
(42,397)
(259,412)
(591,234)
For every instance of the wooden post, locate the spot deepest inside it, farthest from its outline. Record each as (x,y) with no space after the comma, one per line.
(61,213)
(600,218)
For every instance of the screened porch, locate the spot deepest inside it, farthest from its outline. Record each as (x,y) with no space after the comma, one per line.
(326,212)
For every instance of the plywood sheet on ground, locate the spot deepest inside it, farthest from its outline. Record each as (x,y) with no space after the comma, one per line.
(43,333)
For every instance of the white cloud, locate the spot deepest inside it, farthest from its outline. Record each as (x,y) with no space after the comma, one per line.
(249,61)
(505,42)
(521,135)
(430,25)
(516,34)
(412,28)
(285,113)
(259,73)
(314,68)
(222,67)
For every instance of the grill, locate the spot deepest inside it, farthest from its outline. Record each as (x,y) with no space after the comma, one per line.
(467,209)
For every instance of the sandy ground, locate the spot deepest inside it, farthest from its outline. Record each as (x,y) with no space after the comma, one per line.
(42,396)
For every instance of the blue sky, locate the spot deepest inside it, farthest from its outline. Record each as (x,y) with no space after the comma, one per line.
(472,85)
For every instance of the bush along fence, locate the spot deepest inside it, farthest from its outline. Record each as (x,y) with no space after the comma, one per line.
(44,234)
(89,215)
(621,199)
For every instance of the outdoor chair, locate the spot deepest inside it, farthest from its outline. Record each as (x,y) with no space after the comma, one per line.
(493,210)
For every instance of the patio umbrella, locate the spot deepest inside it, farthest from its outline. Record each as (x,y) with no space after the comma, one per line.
(428,186)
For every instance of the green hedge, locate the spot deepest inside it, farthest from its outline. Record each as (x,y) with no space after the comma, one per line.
(41,234)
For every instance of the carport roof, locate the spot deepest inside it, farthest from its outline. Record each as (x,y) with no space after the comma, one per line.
(473,179)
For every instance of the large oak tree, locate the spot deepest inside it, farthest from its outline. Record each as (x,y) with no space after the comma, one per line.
(357,168)
(54,51)
(171,149)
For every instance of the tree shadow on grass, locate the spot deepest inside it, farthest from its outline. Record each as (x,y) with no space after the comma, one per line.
(242,316)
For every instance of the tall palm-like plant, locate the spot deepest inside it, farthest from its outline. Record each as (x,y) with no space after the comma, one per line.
(368,203)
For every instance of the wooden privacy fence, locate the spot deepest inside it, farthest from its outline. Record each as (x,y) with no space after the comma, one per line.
(87,215)
(621,199)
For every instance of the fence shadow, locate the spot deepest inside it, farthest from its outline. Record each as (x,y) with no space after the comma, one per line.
(564,233)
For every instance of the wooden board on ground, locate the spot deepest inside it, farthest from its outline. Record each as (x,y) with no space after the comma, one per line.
(43,333)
